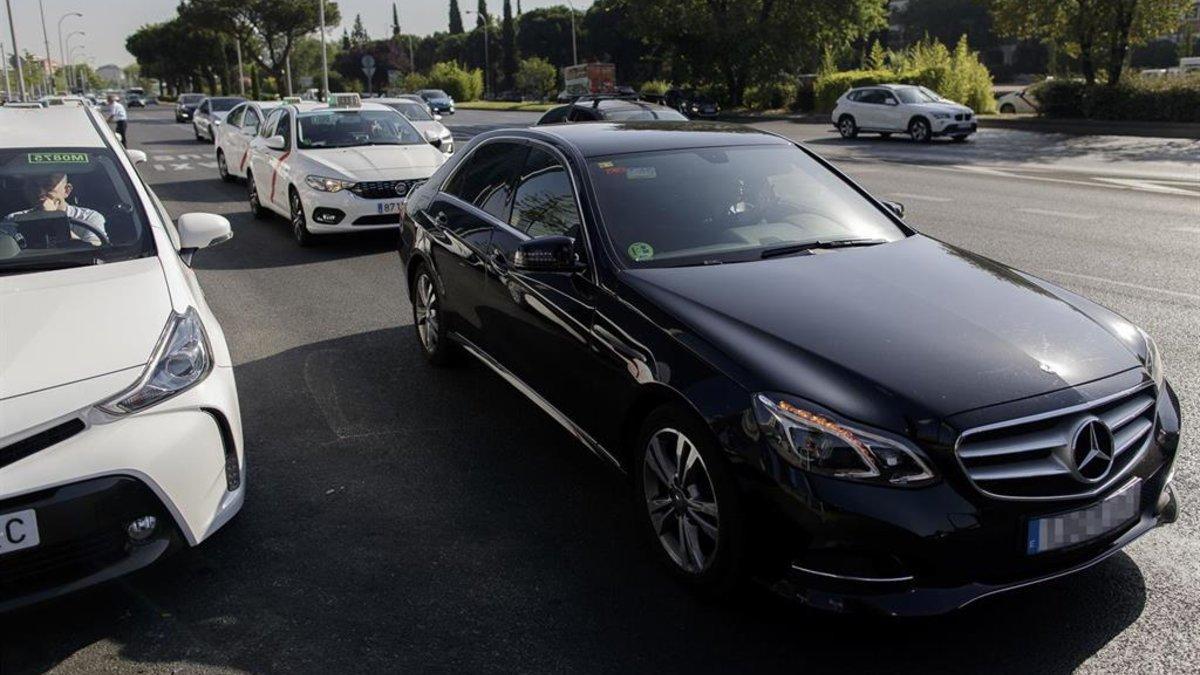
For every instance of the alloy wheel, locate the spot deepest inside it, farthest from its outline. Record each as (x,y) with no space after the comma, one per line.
(919,131)
(681,500)
(426,306)
(299,225)
(222,167)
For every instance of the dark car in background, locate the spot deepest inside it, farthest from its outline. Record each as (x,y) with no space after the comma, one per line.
(609,109)
(801,387)
(186,106)
(691,103)
(439,101)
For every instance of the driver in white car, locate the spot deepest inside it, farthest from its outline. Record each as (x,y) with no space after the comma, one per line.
(49,192)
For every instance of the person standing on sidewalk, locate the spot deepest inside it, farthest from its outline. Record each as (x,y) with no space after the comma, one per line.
(115,112)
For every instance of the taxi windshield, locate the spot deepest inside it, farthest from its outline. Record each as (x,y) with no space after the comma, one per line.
(351,128)
(67,207)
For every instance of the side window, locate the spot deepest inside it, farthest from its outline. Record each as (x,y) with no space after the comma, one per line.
(485,178)
(284,128)
(855,96)
(204,106)
(251,121)
(555,115)
(888,98)
(269,125)
(235,116)
(545,201)
(579,114)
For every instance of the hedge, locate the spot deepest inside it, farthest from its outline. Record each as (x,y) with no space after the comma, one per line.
(1146,99)
(832,85)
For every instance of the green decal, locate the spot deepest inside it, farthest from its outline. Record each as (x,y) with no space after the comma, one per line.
(640,250)
(58,158)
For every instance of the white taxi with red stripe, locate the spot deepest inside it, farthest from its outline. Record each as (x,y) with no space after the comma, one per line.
(232,139)
(341,167)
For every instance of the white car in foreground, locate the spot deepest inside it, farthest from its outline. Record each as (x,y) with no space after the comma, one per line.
(902,108)
(430,124)
(120,432)
(241,125)
(343,167)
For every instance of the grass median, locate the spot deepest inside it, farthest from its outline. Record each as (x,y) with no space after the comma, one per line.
(509,106)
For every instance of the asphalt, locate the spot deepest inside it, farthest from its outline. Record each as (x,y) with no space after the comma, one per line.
(406,519)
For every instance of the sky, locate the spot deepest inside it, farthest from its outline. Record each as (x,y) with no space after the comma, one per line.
(108,22)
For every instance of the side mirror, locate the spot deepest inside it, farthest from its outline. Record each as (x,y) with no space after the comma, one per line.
(553,253)
(276,143)
(896,208)
(201,230)
(136,156)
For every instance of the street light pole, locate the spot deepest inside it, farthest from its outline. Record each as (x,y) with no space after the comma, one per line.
(241,76)
(47,70)
(78,70)
(4,65)
(62,51)
(70,55)
(574,53)
(12,33)
(487,70)
(324,54)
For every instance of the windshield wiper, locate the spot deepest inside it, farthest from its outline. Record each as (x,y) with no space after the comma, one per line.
(821,244)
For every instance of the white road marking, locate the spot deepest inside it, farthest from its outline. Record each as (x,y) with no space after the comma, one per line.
(921,198)
(208,165)
(1152,289)
(181,167)
(1147,185)
(1059,214)
(159,167)
(1189,230)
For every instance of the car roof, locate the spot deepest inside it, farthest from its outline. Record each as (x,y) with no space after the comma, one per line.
(311,106)
(54,127)
(593,139)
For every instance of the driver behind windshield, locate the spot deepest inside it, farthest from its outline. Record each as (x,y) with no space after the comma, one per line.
(49,193)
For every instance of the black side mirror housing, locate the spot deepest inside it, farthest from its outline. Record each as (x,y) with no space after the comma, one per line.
(552,253)
(896,208)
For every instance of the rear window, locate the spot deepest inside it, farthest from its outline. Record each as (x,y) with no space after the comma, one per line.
(191,98)
(224,104)
(68,207)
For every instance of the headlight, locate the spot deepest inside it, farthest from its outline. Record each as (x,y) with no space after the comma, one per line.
(1154,363)
(328,184)
(820,444)
(941,116)
(181,360)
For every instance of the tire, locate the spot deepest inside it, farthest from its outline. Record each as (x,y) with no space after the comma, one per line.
(1008,109)
(299,221)
(256,207)
(223,167)
(847,127)
(960,138)
(432,336)
(919,130)
(692,517)
(196,131)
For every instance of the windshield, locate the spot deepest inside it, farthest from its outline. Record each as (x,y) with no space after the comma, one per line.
(67,207)
(434,93)
(643,114)
(915,95)
(729,204)
(224,104)
(191,98)
(349,128)
(418,112)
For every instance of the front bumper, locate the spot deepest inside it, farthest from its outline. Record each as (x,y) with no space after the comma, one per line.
(344,211)
(952,127)
(850,547)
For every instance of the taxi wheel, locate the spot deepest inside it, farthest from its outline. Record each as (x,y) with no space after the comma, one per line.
(299,222)
(223,167)
(256,207)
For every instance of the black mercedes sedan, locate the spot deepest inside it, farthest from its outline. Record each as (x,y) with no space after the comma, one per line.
(802,388)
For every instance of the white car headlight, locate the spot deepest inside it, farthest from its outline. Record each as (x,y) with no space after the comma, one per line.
(817,443)
(942,116)
(1154,363)
(328,184)
(181,360)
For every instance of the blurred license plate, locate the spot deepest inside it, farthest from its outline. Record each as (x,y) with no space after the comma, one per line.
(18,530)
(1077,527)
(389,207)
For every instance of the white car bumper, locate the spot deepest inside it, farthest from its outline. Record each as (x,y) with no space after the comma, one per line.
(181,462)
(952,126)
(346,211)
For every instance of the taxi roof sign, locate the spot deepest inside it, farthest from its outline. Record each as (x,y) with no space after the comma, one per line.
(291,100)
(345,100)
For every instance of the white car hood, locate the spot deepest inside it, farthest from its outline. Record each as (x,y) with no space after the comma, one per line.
(379,162)
(431,128)
(69,325)
(220,115)
(952,108)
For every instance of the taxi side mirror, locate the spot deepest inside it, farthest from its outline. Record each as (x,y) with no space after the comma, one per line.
(201,230)
(136,156)
(276,143)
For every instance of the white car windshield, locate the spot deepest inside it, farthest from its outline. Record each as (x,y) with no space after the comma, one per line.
(67,207)
(350,128)
(417,112)
(915,95)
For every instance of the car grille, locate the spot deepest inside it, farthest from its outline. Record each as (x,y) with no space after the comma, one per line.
(1030,458)
(963,117)
(378,219)
(385,189)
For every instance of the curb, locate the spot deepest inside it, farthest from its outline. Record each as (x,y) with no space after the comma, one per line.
(1086,127)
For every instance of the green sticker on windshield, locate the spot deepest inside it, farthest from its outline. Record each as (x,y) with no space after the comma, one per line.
(640,250)
(58,158)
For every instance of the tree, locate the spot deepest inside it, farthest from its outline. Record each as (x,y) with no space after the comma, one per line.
(345,39)
(358,34)
(481,14)
(536,78)
(395,20)
(456,26)
(876,58)
(546,32)
(509,40)
(1098,33)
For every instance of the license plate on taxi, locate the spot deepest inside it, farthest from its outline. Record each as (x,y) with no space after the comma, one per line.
(389,207)
(18,530)
(1083,525)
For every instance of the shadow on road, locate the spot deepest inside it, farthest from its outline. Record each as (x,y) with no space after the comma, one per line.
(402,518)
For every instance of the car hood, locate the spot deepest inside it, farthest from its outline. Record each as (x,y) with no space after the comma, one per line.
(442,101)
(70,325)
(379,162)
(431,128)
(916,322)
(219,115)
(952,108)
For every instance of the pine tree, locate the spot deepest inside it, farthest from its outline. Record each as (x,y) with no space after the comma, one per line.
(395,20)
(509,38)
(456,26)
(481,14)
(358,34)
(345,39)
(877,58)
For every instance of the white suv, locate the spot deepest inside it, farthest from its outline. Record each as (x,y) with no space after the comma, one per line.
(902,108)
(120,432)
